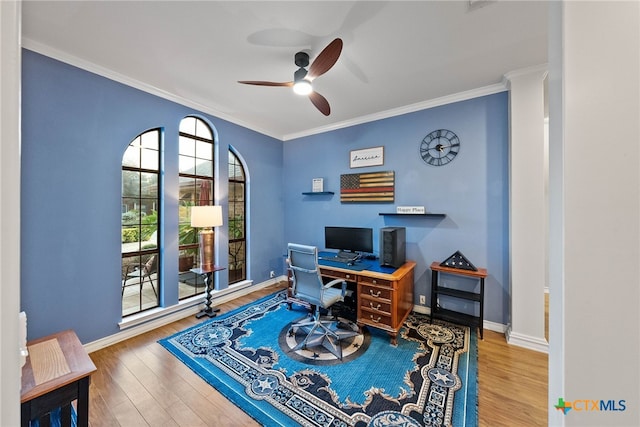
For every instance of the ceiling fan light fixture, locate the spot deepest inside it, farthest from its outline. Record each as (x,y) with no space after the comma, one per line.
(302,87)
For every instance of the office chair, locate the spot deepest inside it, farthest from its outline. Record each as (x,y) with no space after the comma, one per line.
(308,287)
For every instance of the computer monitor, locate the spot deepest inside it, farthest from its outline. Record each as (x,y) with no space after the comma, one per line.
(349,239)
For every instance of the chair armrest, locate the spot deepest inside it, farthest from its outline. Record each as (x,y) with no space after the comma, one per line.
(335,282)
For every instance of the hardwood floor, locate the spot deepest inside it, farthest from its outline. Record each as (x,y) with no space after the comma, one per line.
(139,383)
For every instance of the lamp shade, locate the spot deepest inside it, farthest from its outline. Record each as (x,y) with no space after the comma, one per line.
(206,216)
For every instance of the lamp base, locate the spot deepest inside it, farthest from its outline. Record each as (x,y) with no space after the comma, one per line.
(206,249)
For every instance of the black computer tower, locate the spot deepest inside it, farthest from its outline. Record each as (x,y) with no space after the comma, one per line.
(392,246)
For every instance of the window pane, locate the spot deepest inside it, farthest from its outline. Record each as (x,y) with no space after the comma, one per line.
(131,216)
(187,165)
(149,159)
(131,239)
(204,150)
(236,227)
(187,189)
(188,125)
(236,192)
(236,172)
(150,140)
(187,146)
(149,186)
(202,130)
(204,168)
(131,156)
(130,184)
(236,261)
(204,189)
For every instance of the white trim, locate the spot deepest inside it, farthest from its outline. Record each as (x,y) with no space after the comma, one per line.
(59,55)
(444,100)
(151,321)
(528,342)
(542,68)
(120,78)
(10,86)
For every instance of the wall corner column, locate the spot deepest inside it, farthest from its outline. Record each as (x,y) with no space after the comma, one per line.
(527,208)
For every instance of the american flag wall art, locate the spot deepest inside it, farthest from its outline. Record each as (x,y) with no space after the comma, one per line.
(367,187)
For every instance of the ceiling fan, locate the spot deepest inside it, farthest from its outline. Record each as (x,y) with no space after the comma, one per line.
(302,78)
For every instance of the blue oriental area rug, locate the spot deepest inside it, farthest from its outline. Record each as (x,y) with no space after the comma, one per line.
(428,379)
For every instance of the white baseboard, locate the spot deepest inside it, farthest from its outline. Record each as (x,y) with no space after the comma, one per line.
(163,316)
(527,341)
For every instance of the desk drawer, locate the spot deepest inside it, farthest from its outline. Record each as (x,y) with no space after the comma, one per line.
(373,292)
(375,318)
(375,305)
(376,282)
(338,274)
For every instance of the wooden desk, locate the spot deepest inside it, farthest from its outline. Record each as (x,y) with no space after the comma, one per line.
(57,372)
(384,299)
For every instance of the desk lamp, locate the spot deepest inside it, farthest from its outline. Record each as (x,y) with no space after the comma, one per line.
(205,218)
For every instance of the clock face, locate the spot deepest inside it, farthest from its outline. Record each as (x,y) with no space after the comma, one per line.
(439,147)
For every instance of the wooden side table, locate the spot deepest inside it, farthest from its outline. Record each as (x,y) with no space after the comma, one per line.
(57,372)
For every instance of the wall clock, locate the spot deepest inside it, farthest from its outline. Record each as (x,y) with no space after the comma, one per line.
(439,147)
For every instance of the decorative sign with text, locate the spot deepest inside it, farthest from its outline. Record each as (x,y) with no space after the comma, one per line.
(366,157)
(410,210)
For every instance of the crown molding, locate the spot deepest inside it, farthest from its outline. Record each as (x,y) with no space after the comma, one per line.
(72,60)
(423,105)
(543,69)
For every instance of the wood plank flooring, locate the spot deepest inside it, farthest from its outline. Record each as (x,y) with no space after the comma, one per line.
(139,383)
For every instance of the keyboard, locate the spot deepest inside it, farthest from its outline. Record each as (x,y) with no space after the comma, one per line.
(341,260)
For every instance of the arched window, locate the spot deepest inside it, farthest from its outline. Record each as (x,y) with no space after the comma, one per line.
(140,219)
(196,163)
(237,220)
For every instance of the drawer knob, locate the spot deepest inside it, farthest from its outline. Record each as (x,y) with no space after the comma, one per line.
(375,308)
(375,320)
(377,294)
(375,282)
(348,276)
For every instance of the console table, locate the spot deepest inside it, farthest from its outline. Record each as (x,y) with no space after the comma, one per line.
(57,372)
(454,316)
(385,299)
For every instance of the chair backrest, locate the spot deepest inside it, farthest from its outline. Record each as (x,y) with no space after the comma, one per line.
(307,282)
(151,266)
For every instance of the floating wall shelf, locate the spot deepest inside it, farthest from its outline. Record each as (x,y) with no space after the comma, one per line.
(317,193)
(432,215)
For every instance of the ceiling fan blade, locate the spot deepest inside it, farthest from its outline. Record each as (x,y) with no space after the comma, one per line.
(261,83)
(320,102)
(326,59)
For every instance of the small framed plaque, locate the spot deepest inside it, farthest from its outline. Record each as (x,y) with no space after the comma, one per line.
(366,157)
(317,185)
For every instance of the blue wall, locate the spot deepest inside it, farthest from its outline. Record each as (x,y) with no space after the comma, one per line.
(76,125)
(75,128)
(472,191)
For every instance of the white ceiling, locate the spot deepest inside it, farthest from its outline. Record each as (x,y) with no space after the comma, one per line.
(397,56)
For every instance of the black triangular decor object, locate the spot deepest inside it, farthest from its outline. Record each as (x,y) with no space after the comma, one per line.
(457,260)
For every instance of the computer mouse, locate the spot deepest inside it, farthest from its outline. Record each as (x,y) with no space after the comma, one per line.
(349,263)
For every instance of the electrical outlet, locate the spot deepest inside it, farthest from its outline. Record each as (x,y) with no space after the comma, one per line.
(272,274)
(423,300)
